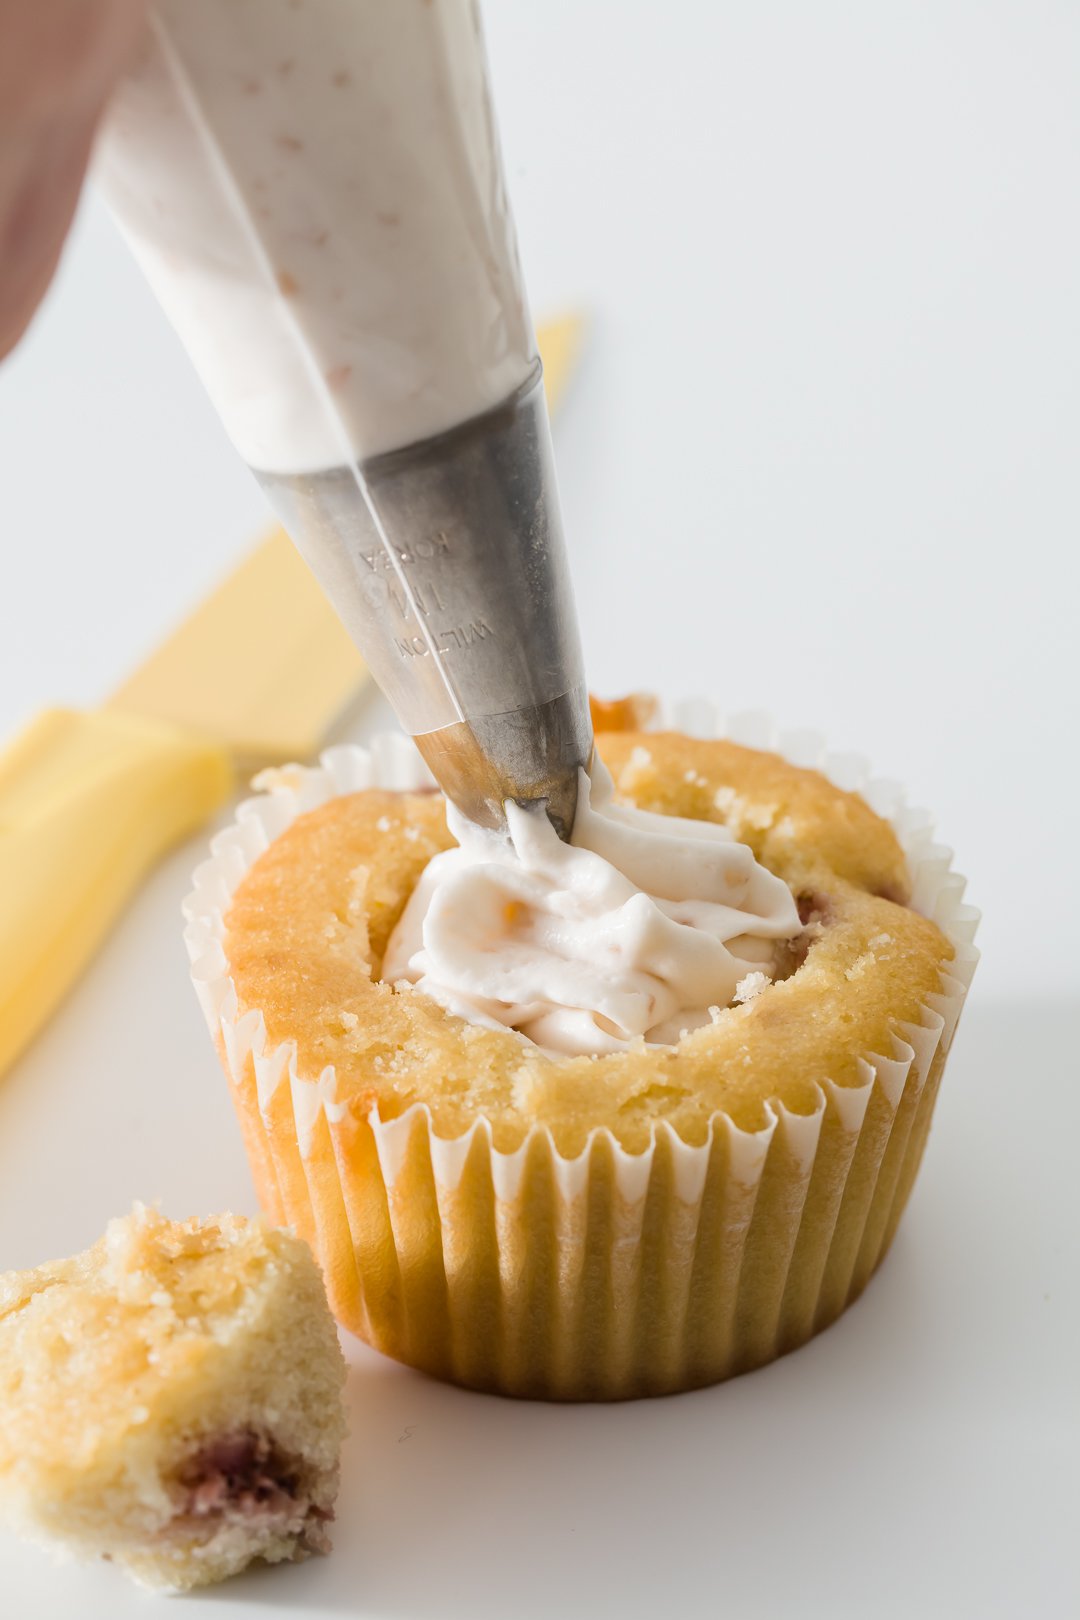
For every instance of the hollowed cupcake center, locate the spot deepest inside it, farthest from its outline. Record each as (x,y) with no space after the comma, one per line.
(645,926)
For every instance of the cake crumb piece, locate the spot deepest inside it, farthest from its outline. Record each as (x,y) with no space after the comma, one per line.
(524,1088)
(172,1400)
(633,713)
(761,817)
(278,778)
(860,965)
(751,986)
(638,762)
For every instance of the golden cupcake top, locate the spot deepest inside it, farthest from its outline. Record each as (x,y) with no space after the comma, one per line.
(309,925)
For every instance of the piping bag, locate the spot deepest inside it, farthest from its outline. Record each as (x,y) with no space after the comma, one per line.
(314,190)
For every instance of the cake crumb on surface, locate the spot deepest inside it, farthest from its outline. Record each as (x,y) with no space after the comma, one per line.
(751,986)
(861,965)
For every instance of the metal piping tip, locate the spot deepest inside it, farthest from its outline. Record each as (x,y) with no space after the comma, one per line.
(531,755)
(447,565)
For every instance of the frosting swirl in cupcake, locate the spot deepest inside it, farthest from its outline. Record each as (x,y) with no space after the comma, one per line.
(642,927)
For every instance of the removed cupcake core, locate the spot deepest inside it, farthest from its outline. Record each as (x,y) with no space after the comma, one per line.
(172,1399)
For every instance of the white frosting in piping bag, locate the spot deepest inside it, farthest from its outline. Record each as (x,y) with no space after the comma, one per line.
(639,927)
(315,187)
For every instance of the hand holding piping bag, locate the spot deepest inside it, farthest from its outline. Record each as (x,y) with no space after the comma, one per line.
(494,689)
(59,63)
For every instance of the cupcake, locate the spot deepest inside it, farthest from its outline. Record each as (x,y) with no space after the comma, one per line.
(588,1122)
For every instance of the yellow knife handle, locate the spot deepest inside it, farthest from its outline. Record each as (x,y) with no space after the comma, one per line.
(88,802)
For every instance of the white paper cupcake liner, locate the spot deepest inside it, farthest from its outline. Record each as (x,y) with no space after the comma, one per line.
(610,1273)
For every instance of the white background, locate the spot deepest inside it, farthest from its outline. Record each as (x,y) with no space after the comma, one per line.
(821,457)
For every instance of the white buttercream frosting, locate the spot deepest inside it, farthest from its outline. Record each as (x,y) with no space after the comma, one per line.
(643,926)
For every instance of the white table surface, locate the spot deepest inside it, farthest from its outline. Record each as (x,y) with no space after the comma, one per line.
(821,457)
